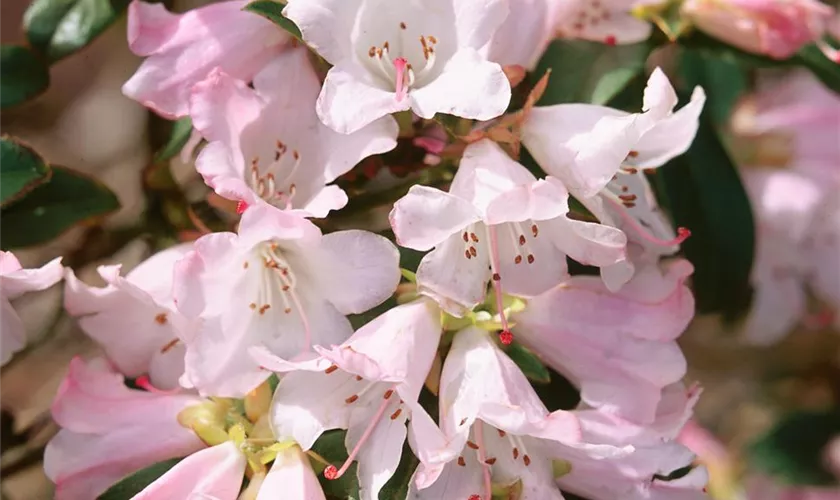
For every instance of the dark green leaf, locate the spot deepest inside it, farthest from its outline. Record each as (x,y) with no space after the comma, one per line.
(397,487)
(24,75)
(59,28)
(589,72)
(826,70)
(273,11)
(21,170)
(723,80)
(134,484)
(529,363)
(704,193)
(331,447)
(178,137)
(793,450)
(69,198)
(559,393)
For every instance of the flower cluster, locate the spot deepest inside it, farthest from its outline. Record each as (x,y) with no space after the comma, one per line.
(238,347)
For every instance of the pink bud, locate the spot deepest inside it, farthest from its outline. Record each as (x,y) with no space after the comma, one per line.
(776,29)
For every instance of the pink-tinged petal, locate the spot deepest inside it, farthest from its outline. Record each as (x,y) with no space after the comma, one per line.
(215,472)
(8,263)
(349,100)
(523,36)
(822,252)
(307,403)
(477,20)
(183,50)
(356,270)
(326,25)
(196,288)
(659,98)
(621,28)
(425,217)
(583,145)
(455,282)
(468,86)
(291,476)
(154,275)
(12,331)
(485,172)
(15,283)
(380,454)
(305,361)
(345,151)
(262,222)
(222,169)
(397,346)
(221,106)
(448,481)
(671,136)
(93,399)
(426,439)
(532,276)
(778,304)
(542,200)
(586,242)
(480,382)
(326,200)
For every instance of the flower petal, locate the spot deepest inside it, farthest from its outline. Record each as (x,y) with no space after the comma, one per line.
(291,476)
(380,454)
(671,136)
(425,217)
(477,20)
(455,282)
(17,282)
(469,86)
(326,25)
(12,331)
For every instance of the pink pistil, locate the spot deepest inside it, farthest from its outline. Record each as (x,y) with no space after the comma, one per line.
(400,65)
(506,336)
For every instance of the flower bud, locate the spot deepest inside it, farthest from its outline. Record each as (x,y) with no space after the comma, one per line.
(777,29)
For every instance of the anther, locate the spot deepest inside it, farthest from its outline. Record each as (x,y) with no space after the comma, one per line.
(372,52)
(490,461)
(352,399)
(245,265)
(466,237)
(531,258)
(517,259)
(535,230)
(526,459)
(160,319)
(287,310)
(633,154)
(252,305)
(358,378)
(462,462)
(515,453)
(331,369)
(169,345)
(402,25)
(472,445)
(467,254)
(474,237)
(388,393)
(264,308)
(521,239)
(396,414)
(473,251)
(501,433)
(496,277)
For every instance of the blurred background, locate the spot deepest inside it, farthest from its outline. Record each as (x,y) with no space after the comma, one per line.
(768,358)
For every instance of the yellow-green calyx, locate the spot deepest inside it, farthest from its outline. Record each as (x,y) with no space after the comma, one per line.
(560,468)
(484,316)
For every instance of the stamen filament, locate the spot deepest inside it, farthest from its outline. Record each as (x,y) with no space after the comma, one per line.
(682,233)
(479,439)
(506,337)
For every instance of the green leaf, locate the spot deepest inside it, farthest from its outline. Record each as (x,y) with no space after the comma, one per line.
(68,199)
(529,363)
(589,72)
(134,484)
(703,190)
(21,170)
(273,11)
(178,137)
(59,28)
(559,393)
(823,68)
(331,447)
(793,450)
(24,75)
(723,80)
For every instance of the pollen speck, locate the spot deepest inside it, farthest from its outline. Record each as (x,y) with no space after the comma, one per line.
(160,319)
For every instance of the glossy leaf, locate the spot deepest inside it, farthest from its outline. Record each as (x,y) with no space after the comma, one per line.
(559,393)
(24,75)
(135,483)
(330,446)
(793,450)
(589,72)
(529,363)
(273,11)
(723,80)
(59,28)
(21,170)
(68,199)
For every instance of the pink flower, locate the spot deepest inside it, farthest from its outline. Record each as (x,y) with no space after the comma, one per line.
(134,318)
(14,282)
(110,431)
(775,28)
(279,284)
(291,476)
(522,38)
(496,222)
(605,21)
(415,57)
(371,389)
(267,142)
(182,49)
(619,348)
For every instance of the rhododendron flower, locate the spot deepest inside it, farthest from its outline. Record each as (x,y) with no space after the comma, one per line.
(496,222)
(182,49)
(371,389)
(14,282)
(524,35)
(501,430)
(391,56)
(619,348)
(777,28)
(291,476)
(134,318)
(110,431)
(605,21)
(279,284)
(267,142)
(585,145)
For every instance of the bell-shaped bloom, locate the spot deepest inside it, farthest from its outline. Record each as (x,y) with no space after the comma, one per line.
(524,35)
(785,206)
(182,49)
(370,389)
(501,431)
(619,348)
(291,476)
(279,284)
(267,142)
(496,222)
(391,56)
(585,145)
(775,29)
(605,21)
(14,282)
(214,472)
(134,318)
(110,431)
